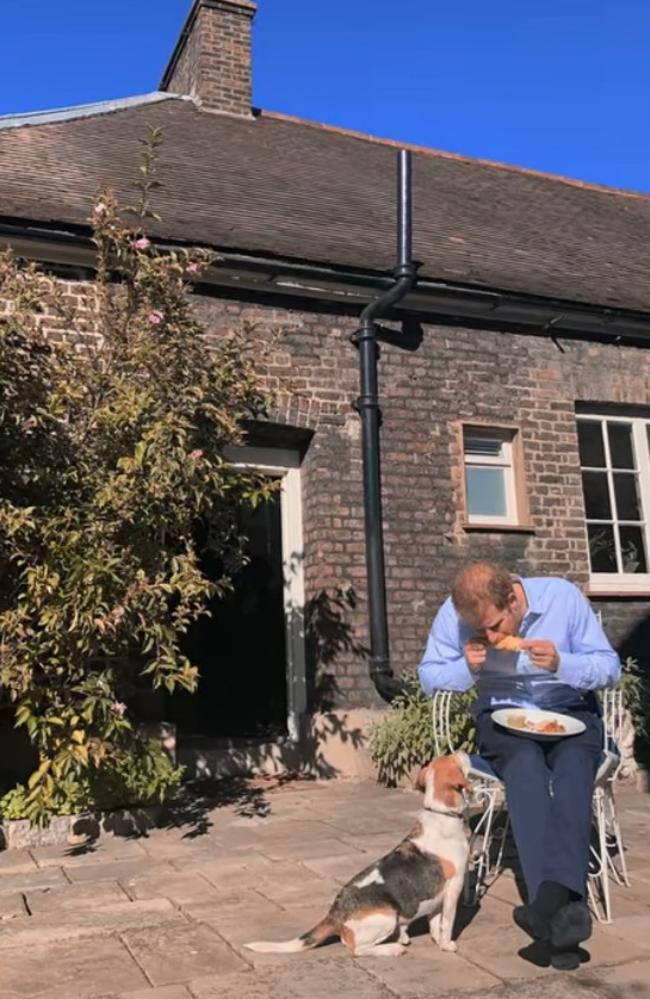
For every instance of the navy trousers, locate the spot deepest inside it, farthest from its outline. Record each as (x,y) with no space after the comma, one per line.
(549,787)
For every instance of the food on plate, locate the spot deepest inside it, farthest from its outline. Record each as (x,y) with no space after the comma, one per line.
(509,643)
(550,727)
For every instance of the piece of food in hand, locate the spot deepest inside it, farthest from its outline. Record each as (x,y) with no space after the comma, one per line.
(509,643)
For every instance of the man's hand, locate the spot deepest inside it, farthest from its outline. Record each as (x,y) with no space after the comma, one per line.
(542,653)
(475,652)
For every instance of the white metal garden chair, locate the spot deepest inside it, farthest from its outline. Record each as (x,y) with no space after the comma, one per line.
(489,835)
(607,851)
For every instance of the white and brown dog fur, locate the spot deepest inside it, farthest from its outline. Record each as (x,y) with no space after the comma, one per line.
(422,876)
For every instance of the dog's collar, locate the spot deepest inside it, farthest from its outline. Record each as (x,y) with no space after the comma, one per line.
(440,811)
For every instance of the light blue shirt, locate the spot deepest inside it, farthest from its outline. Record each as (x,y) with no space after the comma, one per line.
(558,612)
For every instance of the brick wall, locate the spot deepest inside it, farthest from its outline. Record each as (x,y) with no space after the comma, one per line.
(456,375)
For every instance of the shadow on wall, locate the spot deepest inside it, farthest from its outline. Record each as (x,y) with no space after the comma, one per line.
(329,636)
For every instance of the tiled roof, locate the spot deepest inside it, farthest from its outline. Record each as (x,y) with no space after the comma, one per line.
(276,186)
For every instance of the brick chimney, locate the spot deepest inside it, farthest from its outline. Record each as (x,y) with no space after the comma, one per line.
(212,59)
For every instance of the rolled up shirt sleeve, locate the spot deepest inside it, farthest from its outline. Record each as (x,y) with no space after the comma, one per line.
(443,665)
(591,662)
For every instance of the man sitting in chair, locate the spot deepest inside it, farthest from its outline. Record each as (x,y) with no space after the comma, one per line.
(532,643)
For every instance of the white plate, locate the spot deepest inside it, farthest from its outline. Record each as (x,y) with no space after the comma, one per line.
(572,726)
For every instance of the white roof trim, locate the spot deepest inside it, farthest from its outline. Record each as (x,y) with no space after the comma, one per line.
(84,110)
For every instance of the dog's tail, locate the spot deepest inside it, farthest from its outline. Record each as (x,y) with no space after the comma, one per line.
(327,927)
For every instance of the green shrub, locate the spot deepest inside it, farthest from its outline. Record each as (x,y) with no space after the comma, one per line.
(634,695)
(140,775)
(404,739)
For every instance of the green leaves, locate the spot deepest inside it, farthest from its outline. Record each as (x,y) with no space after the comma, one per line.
(404,739)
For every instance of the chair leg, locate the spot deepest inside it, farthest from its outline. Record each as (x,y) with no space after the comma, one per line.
(601,874)
(613,828)
(481,869)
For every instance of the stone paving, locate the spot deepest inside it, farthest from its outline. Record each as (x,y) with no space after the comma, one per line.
(165,916)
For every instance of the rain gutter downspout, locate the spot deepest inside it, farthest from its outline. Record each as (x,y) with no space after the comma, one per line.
(367,405)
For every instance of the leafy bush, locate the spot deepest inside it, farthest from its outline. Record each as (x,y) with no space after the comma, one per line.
(404,739)
(634,695)
(141,774)
(114,415)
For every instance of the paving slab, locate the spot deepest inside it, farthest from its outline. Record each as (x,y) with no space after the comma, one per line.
(68,971)
(29,880)
(16,862)
(340,868)
(633,979)
(238,928)
(12,905)
(283,849)
(43,929)
(76,856)
(321,979)
(164,992)
(62,898)
(175,885)
(111,870)
(632,929)
(175,954)
(608,948)
(425,969)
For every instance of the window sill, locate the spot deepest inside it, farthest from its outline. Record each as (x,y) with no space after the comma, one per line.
(499,528)
(629,594)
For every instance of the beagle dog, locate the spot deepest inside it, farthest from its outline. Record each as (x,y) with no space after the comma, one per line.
(422,876)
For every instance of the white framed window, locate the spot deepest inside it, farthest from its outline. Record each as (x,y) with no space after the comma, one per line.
(492,478)
(615,469)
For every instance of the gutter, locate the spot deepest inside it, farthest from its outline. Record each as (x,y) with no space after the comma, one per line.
(433,300)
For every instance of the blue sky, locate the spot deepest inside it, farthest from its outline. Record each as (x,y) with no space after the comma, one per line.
(557,85)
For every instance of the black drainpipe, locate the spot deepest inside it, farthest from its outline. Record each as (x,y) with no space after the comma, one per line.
(367,406)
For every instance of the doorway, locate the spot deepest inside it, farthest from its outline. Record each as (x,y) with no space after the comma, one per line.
(250,650)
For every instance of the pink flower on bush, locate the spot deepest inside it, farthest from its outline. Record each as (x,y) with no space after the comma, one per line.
(193,268)
(100,208)
(118,708)
(155,317)
(197,454)
(142,244)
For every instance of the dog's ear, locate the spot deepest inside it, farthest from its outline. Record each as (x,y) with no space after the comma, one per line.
(462,771)
(421,782)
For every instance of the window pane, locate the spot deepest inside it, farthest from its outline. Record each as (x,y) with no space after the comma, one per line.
(602,553)
(620,445)
(632,549)
(590,442)
(626,491)
(483,443)
(486,492)
(594,487)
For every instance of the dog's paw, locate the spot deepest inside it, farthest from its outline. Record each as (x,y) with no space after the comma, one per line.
(450,947)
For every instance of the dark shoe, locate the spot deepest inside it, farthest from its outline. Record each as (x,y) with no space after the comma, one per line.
(529,920)
(565,960)
(570,926)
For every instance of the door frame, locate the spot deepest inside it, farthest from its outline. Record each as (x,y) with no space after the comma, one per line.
(285,464)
